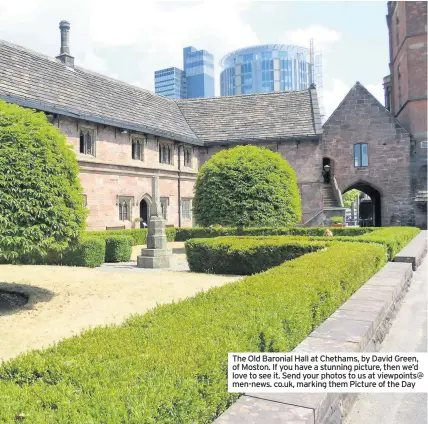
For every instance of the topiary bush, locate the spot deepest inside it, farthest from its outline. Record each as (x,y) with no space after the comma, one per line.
(138,235)
(247,186)
(118,248)
(41,201)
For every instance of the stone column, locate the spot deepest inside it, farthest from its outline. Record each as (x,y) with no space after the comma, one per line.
(157,254)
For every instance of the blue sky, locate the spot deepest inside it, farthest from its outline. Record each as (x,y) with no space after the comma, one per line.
(130,39)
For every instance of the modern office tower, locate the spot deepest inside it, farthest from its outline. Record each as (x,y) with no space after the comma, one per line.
(267,68)
(199,68)
(170,82)
(197,79)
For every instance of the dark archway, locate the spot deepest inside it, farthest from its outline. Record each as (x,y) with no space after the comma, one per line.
(144,213)
(327,169)
(370,209)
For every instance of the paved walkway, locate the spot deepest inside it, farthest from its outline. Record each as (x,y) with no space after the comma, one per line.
(408,333)
(66,300)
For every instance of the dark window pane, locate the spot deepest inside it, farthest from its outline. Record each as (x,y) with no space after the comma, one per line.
(82,142)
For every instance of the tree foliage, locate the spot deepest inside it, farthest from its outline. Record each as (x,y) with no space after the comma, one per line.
(247,186)
(41,201)
(349,197)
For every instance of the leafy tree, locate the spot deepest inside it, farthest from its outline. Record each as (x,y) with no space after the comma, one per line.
(349,197)
(41,201)
(247,186)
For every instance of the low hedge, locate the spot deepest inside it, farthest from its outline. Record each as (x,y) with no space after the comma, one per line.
(245,255)
(170,365)
(139,235)
(184,234)
(118,248)
(89,252)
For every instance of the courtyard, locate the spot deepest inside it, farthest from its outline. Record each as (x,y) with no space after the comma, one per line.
(63,301)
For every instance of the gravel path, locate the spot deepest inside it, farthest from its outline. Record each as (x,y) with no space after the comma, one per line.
(63,301)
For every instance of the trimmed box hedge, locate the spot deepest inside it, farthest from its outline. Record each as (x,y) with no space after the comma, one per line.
(245,255)
(139,235)
(118,248)
(89,252)
(170,365)
(184,234)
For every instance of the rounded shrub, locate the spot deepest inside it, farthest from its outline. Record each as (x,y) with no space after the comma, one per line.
(118,248)
(247,186)
(41,201)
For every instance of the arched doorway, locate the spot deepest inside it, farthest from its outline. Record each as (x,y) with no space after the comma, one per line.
(144,212)
(327,170)
(369,206)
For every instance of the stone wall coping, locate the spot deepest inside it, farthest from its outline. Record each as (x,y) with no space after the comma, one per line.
(359,325)
(414,251)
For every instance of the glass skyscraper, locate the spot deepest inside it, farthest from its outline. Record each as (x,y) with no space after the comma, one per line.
(197,79)
(199,69)
(170,82)
(267,68)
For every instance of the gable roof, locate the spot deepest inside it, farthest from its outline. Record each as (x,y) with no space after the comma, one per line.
(360,87)
(253,117)
(34,80)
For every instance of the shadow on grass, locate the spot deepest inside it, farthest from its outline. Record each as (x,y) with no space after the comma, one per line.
(18,297)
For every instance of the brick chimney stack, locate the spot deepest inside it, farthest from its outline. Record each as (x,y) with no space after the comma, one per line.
(64,55)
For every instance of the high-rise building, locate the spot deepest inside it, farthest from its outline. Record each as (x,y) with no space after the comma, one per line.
(171,82)
(199,69)
(267,68)
(197,79)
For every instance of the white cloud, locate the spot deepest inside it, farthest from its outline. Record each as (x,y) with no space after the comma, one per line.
(377,91)
(333,96)
(323,37)
(158,31)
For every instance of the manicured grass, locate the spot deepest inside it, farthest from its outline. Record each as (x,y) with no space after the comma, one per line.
(170,365)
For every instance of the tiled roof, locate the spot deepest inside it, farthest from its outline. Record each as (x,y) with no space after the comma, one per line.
(255,117)
(38,81)
(33,80)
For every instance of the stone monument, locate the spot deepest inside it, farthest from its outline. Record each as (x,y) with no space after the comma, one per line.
(157,254)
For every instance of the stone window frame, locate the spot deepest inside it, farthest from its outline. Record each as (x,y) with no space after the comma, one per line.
(183,215)
(85,200)
(137,140)
(125,204)
(361,155)
(91,132)
(166,152)
(188,157)
(164,202)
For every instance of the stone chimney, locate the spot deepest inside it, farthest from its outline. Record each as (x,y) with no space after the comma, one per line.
(64,55)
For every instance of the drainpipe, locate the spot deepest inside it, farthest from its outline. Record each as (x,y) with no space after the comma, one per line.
(179,185)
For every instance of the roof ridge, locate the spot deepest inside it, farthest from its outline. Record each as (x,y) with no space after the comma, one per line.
(270,93)
(81,69)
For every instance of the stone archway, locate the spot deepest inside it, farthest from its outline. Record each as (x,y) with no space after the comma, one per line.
(370,210)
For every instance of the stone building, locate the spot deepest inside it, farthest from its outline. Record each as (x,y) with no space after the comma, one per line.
(406,89)
(123,135)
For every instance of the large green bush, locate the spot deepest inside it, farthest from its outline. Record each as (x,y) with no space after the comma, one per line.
(170,365)
(247,186)
(245,255)
(41,201)
(118,248)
